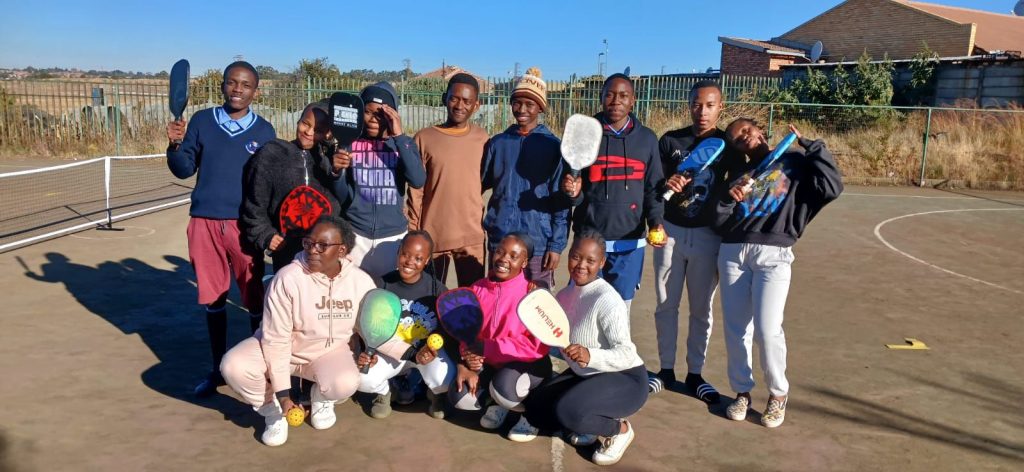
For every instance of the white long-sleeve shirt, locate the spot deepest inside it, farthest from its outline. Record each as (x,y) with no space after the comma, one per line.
(598,321)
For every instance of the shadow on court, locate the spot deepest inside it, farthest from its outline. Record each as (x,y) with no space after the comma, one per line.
(158,306)
(876,415)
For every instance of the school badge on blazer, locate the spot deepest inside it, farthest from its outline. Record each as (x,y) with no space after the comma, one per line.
(252,146)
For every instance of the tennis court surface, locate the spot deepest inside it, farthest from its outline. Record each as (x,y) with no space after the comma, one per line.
(102,339)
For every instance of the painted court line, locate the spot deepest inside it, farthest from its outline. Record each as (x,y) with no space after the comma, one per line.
(878,234)
(557,447)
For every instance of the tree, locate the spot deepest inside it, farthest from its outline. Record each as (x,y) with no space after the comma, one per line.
(317,69)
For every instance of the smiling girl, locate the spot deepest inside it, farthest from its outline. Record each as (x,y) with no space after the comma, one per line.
(418,291)
(606,380)
(506,360)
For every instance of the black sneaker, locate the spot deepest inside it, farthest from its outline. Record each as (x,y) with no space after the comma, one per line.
(701,389)
(403,388)
(209,385)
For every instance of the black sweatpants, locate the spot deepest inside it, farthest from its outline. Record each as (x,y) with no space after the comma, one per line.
(589,405)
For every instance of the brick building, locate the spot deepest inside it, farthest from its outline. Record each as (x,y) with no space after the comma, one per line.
(898,28)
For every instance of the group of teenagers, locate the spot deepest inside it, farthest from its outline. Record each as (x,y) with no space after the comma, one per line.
(396,212)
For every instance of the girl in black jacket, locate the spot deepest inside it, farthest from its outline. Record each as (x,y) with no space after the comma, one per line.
(288,182)
(760,219)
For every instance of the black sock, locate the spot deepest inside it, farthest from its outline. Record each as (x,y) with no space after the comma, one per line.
(668,376)
(217,328)
(694,379)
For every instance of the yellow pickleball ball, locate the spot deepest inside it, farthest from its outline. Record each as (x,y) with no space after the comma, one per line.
(435,341)
(296,416)
(656,236)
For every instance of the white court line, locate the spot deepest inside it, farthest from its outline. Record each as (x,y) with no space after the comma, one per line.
(922,196)
(557,447)
(878,234)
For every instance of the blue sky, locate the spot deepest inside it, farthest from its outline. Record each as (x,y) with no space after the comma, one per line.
(485,37)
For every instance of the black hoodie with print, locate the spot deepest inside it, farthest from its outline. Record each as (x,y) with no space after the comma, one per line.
(781,204)
(620,190)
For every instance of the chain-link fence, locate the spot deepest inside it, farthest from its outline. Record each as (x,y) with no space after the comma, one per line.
(901,145)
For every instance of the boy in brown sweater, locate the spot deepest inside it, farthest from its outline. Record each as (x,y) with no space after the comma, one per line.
(450,206)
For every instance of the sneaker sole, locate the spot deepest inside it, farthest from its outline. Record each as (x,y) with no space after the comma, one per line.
(616,460)
(772,424)
(521,439)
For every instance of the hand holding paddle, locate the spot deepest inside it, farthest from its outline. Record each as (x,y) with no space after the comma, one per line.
(578,354)
(364,361)
(702,156)
(341,160)
(571,185)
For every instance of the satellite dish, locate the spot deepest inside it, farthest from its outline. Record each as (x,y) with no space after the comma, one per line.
(1018,9)
(816,50)
(626,72)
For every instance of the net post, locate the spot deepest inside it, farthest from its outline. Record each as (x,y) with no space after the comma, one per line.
(924,147)
(109,225)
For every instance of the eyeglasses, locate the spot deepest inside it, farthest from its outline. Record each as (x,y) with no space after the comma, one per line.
(308,244)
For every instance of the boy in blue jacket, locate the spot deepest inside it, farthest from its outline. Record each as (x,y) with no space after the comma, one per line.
(521,167)
(216,144)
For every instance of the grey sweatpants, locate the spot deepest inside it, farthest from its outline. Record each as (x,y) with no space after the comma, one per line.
(690,255)
(755,283)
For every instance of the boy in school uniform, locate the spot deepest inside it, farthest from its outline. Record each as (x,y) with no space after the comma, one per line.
(216,144)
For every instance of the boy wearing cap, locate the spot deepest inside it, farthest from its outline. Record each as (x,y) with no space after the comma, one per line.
(618,196)
(522,167)
(216,144)
(449,206)
(372,180)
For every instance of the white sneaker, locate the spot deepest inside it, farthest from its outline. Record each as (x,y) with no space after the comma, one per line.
(612,448)
(523,431)
(321,410)
(276,431)
(494,417)
(737,410)
(582,440)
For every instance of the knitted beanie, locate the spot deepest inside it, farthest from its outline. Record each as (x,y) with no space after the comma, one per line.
(530,85)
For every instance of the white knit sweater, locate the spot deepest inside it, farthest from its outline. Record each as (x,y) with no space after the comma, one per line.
(598,321)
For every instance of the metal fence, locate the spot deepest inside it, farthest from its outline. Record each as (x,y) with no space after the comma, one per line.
(900,145)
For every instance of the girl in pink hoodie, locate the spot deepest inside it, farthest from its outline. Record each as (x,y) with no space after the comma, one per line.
(506,356)
(308,322)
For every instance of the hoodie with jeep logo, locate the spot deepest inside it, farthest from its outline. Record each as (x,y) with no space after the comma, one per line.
(308,314)
(620,190)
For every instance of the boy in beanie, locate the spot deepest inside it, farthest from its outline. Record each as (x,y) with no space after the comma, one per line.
(618,195)
(217,143)
(449,206)
(522,166)
(372,178)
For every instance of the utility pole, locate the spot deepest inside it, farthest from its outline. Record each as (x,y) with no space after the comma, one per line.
(606,67)
(516,73)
